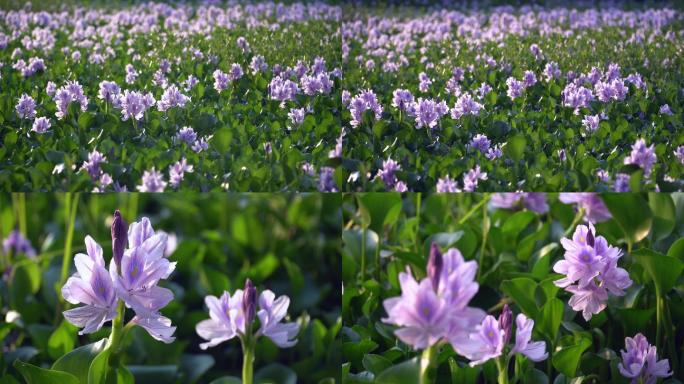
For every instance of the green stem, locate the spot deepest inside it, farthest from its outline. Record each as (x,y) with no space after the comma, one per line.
(415,234)
(247,361)
(363,254)
(578,218)
(117,328)
(21,198)
(485,233)
(659,320)
(502,367)
(426,362)
(70,217)
(473,210)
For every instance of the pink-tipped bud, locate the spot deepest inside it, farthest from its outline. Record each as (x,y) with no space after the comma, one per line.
(119,237)
(506,323)
(249,302)
(434,267)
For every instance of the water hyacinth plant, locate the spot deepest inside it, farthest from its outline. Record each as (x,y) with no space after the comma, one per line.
(235,316)
(512,288)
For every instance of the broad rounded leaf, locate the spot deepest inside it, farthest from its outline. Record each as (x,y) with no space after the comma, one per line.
(37,375)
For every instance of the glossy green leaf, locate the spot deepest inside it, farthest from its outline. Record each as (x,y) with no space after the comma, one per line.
(37,375)
(382,208)
(663,209)
(275,373)
(664,270)
(550,317)
(77,362)
(632,214)
(567,359)
(521,290)
(406,372)
(375,363)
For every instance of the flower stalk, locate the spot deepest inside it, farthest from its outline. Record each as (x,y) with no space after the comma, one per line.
(426,363)
(248,359)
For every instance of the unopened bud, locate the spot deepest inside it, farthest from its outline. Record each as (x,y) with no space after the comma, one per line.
(249,301)
(119,237)
(590,237)
(434,267)
(506,323)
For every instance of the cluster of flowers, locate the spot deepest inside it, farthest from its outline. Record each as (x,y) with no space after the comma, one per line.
(436,310)
(139,262)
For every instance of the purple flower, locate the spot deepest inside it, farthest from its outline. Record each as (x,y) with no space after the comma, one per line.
(282,89)
(515,87)
(133,105)
(221,80)
(326,182)
(26,107)
(91,286)
(640,361)
(595,211)
(131,74)
(177,171)
(171,98)
(365,101)
(427,112)
(529,79)
(490,339)
(465,105)
(387,173)
(187,135)
(533,201)
(665,110)
(436,308)
(642,156)
(41,125)
(119,237)
(591,122)
(230,317)
(472,178)
(591,271)
(679,153)
(17,242)
(200,145)
(152,181)
(551,71)
(297,116)
(402,99)
(447,185)
(235,72)
(576,97)
(480,142)
(92,165)
(425,82)
(494,152)
(621,183)
(109,91)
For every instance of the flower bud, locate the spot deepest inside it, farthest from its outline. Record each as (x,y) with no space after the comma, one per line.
(434,267)
(506,322)
(590,237)
(249,301)
(119,237)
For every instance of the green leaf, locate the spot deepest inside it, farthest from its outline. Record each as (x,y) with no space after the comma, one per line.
(516,223)
(382,208)
(194,366)
(677,249)
(443,239)
(535,376)
(663,209)
(37,375)
(407,372)
(521,290)
(375,363)
(97,373)
(632,214)
(463,373)
(635,319)
(550,317)
(275,374)
(124,376)
(62,340)
(543,259)
(566,359)
(77,362)
(664,270)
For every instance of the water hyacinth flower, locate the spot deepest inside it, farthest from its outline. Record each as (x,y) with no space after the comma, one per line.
(65,95)
(534,201)
(591,122)
(465,105)
(402,99)
(679,154)
(152,181)
(26,107)
(131,282)
(490,340)
(178,170)
(427,112)
(16,242)
(472,178)
(640,361)
(595,211)
(480,142)
(41,125)
(133,105)
(591,271)
(643,156)
(387,173)
(621,183)
(665,110)
(109,92)
(326,182)
(236,315)
(171,98)
(282,89)
(436,308)
(447,185)
(365,101)
(515,87)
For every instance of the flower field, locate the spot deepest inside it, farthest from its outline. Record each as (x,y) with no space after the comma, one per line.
(159,288)
(165,97)
(505,99)
(512,288)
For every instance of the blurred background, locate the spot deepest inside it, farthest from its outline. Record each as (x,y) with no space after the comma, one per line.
(289,244)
